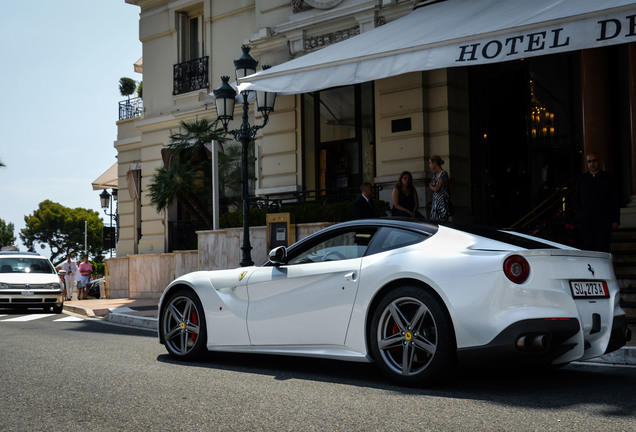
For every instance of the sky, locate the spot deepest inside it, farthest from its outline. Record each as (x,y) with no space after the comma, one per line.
(59,84)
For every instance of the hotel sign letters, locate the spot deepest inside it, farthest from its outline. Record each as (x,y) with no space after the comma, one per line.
(567,37)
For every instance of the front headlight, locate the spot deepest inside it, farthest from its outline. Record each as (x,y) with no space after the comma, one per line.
(53,286)
(4,285)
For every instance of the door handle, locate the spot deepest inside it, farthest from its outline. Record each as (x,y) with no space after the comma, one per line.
(350,276)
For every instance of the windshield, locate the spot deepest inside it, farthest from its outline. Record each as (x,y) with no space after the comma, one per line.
(25,265)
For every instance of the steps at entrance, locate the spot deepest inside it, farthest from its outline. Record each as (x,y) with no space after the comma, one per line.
(624,251)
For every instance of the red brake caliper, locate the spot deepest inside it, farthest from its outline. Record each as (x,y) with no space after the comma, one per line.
(195,321)
(396,330)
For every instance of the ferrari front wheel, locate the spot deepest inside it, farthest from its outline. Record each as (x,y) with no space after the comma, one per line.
(411,337)
(183,326)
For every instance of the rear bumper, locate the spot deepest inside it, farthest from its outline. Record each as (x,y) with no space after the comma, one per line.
(527,342)
(539,342)
(621,334)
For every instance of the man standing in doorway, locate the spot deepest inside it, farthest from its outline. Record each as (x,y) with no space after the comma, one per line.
(596,206)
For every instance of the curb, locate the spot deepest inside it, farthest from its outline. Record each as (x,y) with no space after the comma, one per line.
(81,311)
(114,316)
(622,356)
(131,320)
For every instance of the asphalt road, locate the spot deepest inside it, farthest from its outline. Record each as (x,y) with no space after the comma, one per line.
(87,375)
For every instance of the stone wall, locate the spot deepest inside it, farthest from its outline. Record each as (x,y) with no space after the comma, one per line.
(116,272)
(146,276)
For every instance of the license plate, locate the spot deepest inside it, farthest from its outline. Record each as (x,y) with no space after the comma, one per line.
(27,293)
(589,289)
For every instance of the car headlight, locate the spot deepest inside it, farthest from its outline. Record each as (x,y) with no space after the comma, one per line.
(4,285)
(52,286)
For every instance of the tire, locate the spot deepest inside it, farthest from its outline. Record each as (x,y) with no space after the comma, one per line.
(183,326)
(411,337)
(58,309)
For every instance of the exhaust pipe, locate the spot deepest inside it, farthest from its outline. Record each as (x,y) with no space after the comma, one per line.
(540,341)
(532,343)
(521,343)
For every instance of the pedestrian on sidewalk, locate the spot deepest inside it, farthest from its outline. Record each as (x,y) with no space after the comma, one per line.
(85,269)
(70,268)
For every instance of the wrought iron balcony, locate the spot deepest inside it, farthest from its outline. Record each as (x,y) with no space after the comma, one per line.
(131,108)
(191,75)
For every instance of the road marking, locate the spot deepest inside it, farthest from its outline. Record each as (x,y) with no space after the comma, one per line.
(28,317)
(70,318)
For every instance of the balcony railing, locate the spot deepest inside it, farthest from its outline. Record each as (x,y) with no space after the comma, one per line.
(275,200)
(131,108)
(191,75)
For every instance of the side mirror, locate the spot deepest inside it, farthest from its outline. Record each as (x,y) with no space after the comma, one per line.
(278,255)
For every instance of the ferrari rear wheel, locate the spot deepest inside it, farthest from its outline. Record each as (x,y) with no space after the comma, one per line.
(411,337)
(183,326)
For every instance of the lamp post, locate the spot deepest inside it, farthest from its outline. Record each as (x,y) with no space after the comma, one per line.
(224,98)
(106,203)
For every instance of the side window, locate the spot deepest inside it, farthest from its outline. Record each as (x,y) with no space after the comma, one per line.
(339,246)
(394,238)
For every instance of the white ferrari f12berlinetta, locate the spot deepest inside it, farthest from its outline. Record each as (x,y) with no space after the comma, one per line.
(412,296)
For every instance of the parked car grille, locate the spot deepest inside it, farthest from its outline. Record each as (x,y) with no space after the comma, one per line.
(23,300)
(28,286)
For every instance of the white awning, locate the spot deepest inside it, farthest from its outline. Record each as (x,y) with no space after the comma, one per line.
(108,180)
(455,33)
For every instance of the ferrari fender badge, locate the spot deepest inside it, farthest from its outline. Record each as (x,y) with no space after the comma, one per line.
(242,275)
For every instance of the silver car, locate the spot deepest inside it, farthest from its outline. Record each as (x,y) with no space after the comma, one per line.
(29,280)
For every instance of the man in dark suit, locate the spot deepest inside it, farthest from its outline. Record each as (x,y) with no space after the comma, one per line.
(596,206)
(363,206)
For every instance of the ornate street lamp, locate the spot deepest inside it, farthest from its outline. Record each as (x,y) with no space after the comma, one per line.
(225,97)
(104,199)
(106,203)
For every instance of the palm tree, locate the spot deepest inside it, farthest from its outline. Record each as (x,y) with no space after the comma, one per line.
(230,175)
(188,165)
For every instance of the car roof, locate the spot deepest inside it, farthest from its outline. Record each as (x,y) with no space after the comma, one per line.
(431,227)
(418,224)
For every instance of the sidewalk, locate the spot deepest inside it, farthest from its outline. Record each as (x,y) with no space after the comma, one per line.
(143,313)
(133,312)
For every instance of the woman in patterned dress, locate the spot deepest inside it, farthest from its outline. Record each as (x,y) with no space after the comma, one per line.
(439,186)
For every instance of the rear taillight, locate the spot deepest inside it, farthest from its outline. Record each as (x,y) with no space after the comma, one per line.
(516,269)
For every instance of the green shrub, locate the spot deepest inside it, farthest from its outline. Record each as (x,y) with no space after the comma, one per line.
(302,213)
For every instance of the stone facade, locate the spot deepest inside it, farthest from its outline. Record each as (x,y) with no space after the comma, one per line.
(276,34)
(146,276)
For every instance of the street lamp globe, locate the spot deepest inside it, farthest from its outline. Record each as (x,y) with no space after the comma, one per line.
(245,65)
(104,199)
(265,100)
(224,98)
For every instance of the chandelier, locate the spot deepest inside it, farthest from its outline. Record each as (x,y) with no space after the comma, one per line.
(541,124)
